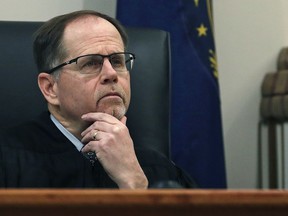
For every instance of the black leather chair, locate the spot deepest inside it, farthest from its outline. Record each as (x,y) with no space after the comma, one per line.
(148,114)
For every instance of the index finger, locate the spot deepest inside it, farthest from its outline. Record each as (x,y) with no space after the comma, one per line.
(98,116)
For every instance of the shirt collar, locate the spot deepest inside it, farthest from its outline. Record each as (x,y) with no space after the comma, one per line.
(67,134)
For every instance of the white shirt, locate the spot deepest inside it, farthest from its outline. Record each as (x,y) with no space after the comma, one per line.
(89,155)
(67,134)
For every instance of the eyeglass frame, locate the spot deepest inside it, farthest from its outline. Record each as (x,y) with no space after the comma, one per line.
(74,60)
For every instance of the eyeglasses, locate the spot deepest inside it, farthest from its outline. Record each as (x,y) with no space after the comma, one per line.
(92,63)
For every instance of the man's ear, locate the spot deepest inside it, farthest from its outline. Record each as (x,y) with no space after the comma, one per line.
(48,87)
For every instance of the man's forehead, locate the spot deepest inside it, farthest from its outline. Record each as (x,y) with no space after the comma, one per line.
(89,24)
(86,20)
(85,33)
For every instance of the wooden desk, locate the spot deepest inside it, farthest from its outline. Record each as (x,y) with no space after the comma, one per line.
(140,202)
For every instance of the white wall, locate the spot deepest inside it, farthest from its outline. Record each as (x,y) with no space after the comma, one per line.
(36,10)
(249,35)
(41,10)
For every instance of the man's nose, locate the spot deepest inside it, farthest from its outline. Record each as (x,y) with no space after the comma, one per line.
(108,73)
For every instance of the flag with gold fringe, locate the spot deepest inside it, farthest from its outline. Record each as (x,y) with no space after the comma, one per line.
(196,126)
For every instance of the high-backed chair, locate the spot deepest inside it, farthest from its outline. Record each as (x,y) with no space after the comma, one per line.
(148,114)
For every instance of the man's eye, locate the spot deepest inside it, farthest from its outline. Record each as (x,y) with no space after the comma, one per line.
(118,62)
(91,64)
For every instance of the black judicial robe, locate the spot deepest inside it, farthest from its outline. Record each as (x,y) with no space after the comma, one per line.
(37,155)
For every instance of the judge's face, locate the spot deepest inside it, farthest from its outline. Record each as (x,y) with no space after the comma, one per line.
(107,91)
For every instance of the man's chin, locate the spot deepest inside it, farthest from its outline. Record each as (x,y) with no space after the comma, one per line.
(117,112)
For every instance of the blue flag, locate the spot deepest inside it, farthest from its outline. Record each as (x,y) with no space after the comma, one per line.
(196,128)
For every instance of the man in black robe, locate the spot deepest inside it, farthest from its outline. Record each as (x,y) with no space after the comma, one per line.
(82,140)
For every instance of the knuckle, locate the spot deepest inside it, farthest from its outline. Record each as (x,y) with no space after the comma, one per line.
(94,125)
(110,137)
(117,129)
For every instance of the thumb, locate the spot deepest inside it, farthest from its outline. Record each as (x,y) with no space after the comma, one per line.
(124,120)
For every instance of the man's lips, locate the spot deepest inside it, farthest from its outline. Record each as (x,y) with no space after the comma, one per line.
(111,95)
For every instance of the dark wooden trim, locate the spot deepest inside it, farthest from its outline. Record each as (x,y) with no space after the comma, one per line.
(143,202)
